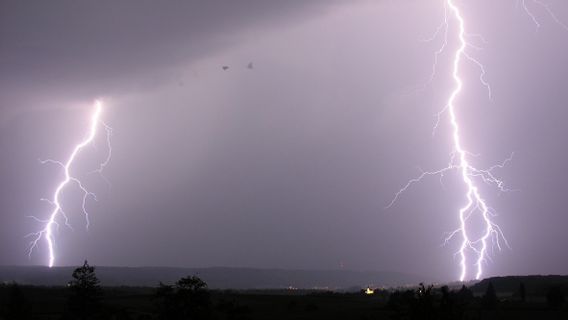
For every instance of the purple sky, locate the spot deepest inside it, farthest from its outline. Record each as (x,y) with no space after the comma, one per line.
(291,164)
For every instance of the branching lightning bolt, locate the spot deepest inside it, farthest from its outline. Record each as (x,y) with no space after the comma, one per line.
(546,7)
(52,221)
(475,203)
(459,158)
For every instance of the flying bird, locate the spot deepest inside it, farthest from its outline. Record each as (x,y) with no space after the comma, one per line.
(225,68)
(250,66)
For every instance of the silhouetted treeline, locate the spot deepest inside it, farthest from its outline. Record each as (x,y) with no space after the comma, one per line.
(425,302)
(190,298)
(533,285)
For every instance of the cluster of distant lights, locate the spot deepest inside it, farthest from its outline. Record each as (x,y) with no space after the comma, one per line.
(475,204)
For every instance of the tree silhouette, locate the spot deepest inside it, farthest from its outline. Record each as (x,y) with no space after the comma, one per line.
(84,299)
(413,304)
(522,292)
(490,300)
(194,297)
(447,304)
(462,299)
(465,295)
(187,299)
(424,304)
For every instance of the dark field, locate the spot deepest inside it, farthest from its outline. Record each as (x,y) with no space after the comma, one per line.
(139,303)
(29,302)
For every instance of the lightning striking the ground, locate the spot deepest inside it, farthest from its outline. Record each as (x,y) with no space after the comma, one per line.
(475,203)
(475,206)
(58,213)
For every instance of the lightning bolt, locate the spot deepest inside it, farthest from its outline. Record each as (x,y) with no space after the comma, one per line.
(475,205)
(546,7)
(57,212)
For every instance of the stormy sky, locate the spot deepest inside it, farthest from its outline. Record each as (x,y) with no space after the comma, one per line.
(289,164)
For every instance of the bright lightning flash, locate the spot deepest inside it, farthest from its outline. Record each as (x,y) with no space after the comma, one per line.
(57,212)
(475,205)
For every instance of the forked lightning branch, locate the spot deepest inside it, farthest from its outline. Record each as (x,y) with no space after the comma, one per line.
(58,214)
(472,244)
(474,207)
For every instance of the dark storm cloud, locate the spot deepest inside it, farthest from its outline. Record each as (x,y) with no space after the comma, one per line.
(107,47)
(99,40)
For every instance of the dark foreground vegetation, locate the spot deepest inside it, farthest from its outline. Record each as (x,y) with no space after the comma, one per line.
(190,298)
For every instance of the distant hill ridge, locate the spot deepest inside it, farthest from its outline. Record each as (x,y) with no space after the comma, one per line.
(534,284)
(216,277)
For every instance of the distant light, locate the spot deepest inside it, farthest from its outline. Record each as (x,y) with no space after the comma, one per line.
(369,291)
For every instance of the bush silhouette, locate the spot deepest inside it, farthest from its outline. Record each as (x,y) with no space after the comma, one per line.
(233,309)
(423,307)
(465,295)
(413,304)
(555,297)
(16,306)
(187,299)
